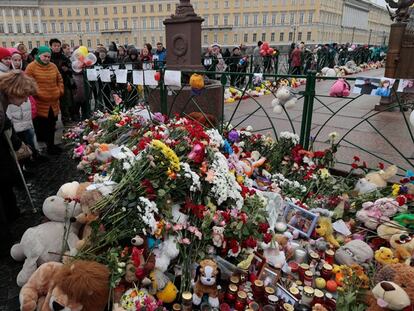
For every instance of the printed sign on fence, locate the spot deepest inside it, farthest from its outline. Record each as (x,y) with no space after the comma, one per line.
(105,75)
(373,86)
(92,74)
(406,86)
(172,77)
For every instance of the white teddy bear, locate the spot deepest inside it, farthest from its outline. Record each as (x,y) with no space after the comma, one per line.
(284,97)
(45,242)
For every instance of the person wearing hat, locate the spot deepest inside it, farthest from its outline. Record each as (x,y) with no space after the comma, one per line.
(50,89)
(23,52)
(5,60)
(16,59)
(102,56)
(235,64)
(133,58)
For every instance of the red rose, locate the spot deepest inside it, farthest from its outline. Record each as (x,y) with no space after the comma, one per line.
(354,166)
(263,227)
(267,238)
(357,159)
(381,166)
(250,242)
(319,154)
(401,200)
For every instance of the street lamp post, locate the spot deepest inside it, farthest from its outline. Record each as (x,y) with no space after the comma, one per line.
(294,33)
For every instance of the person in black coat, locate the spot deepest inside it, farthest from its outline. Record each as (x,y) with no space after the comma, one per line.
(15,87)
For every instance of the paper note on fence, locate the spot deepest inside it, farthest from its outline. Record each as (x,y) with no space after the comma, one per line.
(92,74)
(115,67)
(149,77)
(138,77)
(128,66)
(121,75)
(105,75)
(172,77)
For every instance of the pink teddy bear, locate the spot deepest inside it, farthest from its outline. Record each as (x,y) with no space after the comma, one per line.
(340,88)
(372,213)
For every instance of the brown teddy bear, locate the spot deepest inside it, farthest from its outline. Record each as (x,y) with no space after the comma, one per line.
(394,288)
(81,285)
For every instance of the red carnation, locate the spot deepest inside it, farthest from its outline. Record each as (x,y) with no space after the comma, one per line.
(263,227)
(357,159)
(401,200)
(250,242)
(381,165)
(354,166)
(319,154)
(267,238)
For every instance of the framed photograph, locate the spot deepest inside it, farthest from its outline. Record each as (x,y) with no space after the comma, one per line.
(269,275)
(284,294)
(406,86)
(300,219)
(257,264)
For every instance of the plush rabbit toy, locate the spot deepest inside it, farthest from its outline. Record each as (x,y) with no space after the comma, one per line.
(340,88)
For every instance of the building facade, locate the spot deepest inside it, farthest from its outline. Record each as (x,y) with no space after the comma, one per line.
(228,22)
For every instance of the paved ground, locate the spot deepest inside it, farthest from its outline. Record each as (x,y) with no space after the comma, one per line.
(357,123)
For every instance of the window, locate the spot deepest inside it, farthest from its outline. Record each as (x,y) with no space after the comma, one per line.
(69,12)
(89,43)
(152,8)
(10,27)
(255,18)
(300,36)
(236,3)
(226,4)
(205,39)
(215,39)
(236,38)
(168,7)
(125,24)
(80,42)
(216,4)
(264,36)
(51,12)
(254,37)
(1,28)
(152,22)
(44,26)
(264,21)
(309,36)
(19,27)
(36,27)
(115,9)
(126,40)
(70,27)
(95,11)
(42,12)
(27,28)
(274,19)
(62,27)
(160,23)
(60,12)
(272,37)
(30,45)
(246,37)
(106,25)
(96,26)
(124,9)
(290,36)
(206,4)
(24,12)
(144,23)
(86,11)
(283,18)
(152,40)
(216,18)
(87,27)
(225,38)
(37,43)
(236,20)
(143,8)
(247,3)
(206,20)
(310,18)
(105,11)
(282,36)
(77,12)
(134,9)
(136,41)
(159,7)
(79,26)
(161,39)
(226,20)
(13,43)
(115,24)
(292,18)
(246,19)
(46,43)
(98,41)
(4,44)
(301,17)
(135,24)
(107,41)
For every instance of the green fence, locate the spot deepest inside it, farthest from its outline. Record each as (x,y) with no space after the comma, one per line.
(375,136)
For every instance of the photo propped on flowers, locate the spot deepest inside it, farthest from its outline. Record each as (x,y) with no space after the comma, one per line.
(373,86)
(300,219)
(406,86)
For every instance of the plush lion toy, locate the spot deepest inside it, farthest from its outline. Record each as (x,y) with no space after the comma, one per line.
(81,285)
(325,230)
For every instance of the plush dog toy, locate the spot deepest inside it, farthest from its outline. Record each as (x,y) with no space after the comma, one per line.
(81,285)
(284,97)
(45,242)
(206,278)
(374,180)
(340,88)
(403,246)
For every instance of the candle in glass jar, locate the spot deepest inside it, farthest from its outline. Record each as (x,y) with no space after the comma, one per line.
(258,290)
(295,292)
(186,301)
(288,307)
(300,255)
(329,256)
(268,292)
(308,278)
(234,279)
(240,304)
(318,297)
(326,272)
(302,268)
(231,294)
(307,295)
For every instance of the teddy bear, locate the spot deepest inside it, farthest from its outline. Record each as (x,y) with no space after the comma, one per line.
(385,256)
(373,213)
(206,279)
(284,97)
(164,253)
(46,241)
(403,246)
(143,261)
(354,252)
(387,229)
(218,236)
(394,289)
(324,229)
(80,285)
(68,190)
(374,180)
(340,88)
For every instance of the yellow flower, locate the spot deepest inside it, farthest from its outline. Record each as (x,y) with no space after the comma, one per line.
(169,154)
(395,190)
(240,179)
(324,173)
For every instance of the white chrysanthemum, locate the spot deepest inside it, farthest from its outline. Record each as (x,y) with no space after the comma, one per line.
(188,173)
(290,136)
(215,138)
